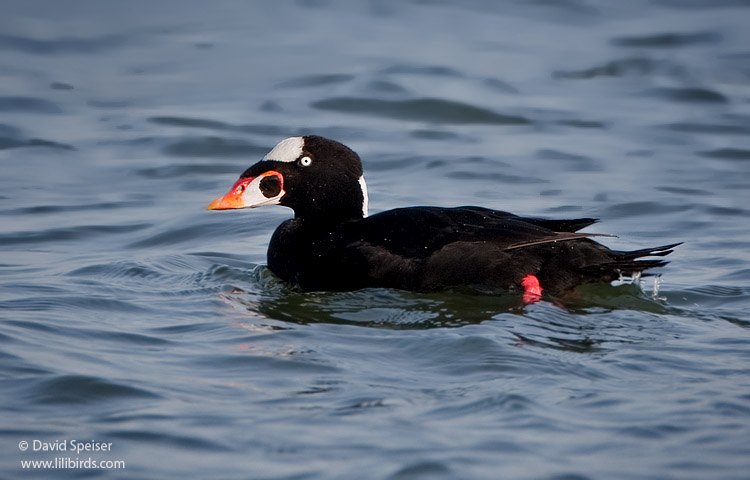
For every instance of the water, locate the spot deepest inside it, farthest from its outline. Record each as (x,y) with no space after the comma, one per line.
(132,316)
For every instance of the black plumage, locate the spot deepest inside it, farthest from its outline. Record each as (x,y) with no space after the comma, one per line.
(331,245)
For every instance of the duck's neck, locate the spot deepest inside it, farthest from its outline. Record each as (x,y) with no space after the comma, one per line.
(345,206)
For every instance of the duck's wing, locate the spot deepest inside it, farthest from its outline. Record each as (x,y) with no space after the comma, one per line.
(421,231)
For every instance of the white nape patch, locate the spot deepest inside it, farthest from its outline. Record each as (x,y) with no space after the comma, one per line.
(365,199)
(287,150)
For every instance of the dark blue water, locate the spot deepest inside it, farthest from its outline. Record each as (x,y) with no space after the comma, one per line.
(131,316)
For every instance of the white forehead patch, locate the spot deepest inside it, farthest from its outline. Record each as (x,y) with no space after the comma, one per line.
(287,150)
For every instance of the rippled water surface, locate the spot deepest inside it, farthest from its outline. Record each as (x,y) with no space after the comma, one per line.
(130,315)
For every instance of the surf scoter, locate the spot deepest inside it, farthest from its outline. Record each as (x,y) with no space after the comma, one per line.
(332,244)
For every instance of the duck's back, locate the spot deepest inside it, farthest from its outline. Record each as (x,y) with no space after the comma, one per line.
(432,248)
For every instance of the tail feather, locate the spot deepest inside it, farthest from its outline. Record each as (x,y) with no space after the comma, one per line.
(661,251)
(629,263)
(627,267)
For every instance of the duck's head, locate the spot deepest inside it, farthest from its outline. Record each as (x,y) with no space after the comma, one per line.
(316,177)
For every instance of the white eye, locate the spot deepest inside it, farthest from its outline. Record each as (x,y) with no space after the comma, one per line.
(305,161)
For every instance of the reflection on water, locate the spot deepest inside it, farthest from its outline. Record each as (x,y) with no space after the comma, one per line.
(395,309)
